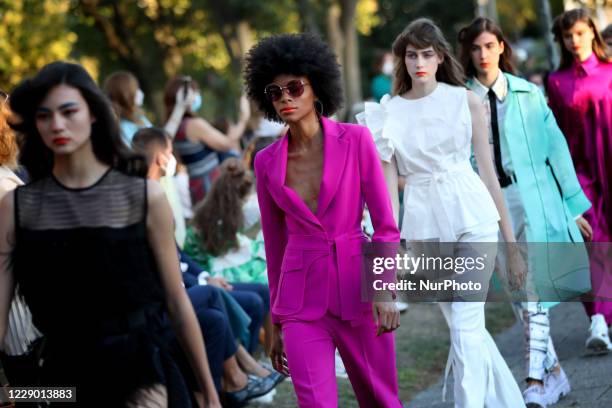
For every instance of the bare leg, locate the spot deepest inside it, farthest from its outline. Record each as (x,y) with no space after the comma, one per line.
(234,378)
(248,363)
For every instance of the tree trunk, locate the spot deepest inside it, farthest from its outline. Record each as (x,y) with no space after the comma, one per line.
(307,17)
(487,8)
(352,75)
(546,24)
(334,33)
(244,36)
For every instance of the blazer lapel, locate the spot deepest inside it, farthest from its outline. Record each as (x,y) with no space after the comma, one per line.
(285,197)
(335,150)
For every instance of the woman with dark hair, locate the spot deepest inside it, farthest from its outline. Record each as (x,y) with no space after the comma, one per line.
(312,185)
(580,96)
(105,267)
(123,89)
(540,188)
(199,143)
(426,132)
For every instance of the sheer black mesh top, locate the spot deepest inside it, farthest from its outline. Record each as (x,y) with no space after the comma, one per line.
(81,256)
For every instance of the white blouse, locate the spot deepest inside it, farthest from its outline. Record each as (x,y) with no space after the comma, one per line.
(431,139)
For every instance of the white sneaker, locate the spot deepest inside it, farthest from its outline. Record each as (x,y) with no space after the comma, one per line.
(340,370)
(266,398)
(401,306)
(598,341)
(535,396)
(556,386)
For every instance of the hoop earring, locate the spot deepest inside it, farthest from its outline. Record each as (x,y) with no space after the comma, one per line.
(319,111)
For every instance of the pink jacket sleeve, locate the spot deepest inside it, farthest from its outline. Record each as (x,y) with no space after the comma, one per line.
(274,231)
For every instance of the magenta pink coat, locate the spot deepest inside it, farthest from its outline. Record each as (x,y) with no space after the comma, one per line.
(314,261)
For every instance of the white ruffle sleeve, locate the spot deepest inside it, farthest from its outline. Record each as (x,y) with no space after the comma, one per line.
(374,117)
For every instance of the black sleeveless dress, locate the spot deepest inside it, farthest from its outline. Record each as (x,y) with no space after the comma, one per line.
(85,268)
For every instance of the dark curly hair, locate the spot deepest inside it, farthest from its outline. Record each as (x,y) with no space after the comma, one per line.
(293,54)
(219,216)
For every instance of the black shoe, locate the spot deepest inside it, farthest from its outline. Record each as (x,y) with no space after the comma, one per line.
(256,387)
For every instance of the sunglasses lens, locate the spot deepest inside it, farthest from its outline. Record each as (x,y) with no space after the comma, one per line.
(274,92)
(295,88)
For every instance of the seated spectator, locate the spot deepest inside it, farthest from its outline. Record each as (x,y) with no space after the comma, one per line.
(155,145)
(221,317)
(197,142)
(215,239)
(127,98)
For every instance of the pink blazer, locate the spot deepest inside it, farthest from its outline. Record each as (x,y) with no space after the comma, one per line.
(303,249)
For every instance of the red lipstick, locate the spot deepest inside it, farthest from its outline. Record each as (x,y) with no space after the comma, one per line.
(287,110)
(60,141)
(421,73)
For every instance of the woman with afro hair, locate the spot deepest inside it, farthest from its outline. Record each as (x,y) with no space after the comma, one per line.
(312,185)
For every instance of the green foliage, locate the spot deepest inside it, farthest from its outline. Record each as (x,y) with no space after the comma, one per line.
(207,39)
(395,15)
(32,34)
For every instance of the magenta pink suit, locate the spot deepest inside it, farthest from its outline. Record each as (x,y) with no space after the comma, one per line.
(581,99)
(314,268)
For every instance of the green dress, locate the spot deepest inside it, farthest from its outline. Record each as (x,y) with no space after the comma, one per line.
(246,264)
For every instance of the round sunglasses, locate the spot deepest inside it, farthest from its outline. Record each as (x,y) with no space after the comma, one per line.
(294,88)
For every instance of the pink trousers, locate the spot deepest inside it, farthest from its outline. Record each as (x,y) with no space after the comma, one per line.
(369,362)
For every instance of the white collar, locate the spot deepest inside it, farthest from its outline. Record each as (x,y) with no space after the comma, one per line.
(500,87)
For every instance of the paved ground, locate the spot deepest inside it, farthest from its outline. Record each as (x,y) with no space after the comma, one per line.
(590,376)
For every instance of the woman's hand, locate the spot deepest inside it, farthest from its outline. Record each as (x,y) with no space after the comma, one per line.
(277,352)
(517,269)
(219,282)
(386,316)
(182,100)
(585,228)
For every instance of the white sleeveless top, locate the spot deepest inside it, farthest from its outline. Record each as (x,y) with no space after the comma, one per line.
(431,139)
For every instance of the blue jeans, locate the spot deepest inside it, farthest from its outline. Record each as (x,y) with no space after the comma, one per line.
(254,298)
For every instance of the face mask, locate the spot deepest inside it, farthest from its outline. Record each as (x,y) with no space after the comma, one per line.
(197,103)
(139,97)
(387,68)
(170,167)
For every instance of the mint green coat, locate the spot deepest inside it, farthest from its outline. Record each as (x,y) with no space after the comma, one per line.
(550,192)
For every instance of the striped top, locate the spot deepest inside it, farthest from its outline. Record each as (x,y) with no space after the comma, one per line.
(21,333)
(201,162)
